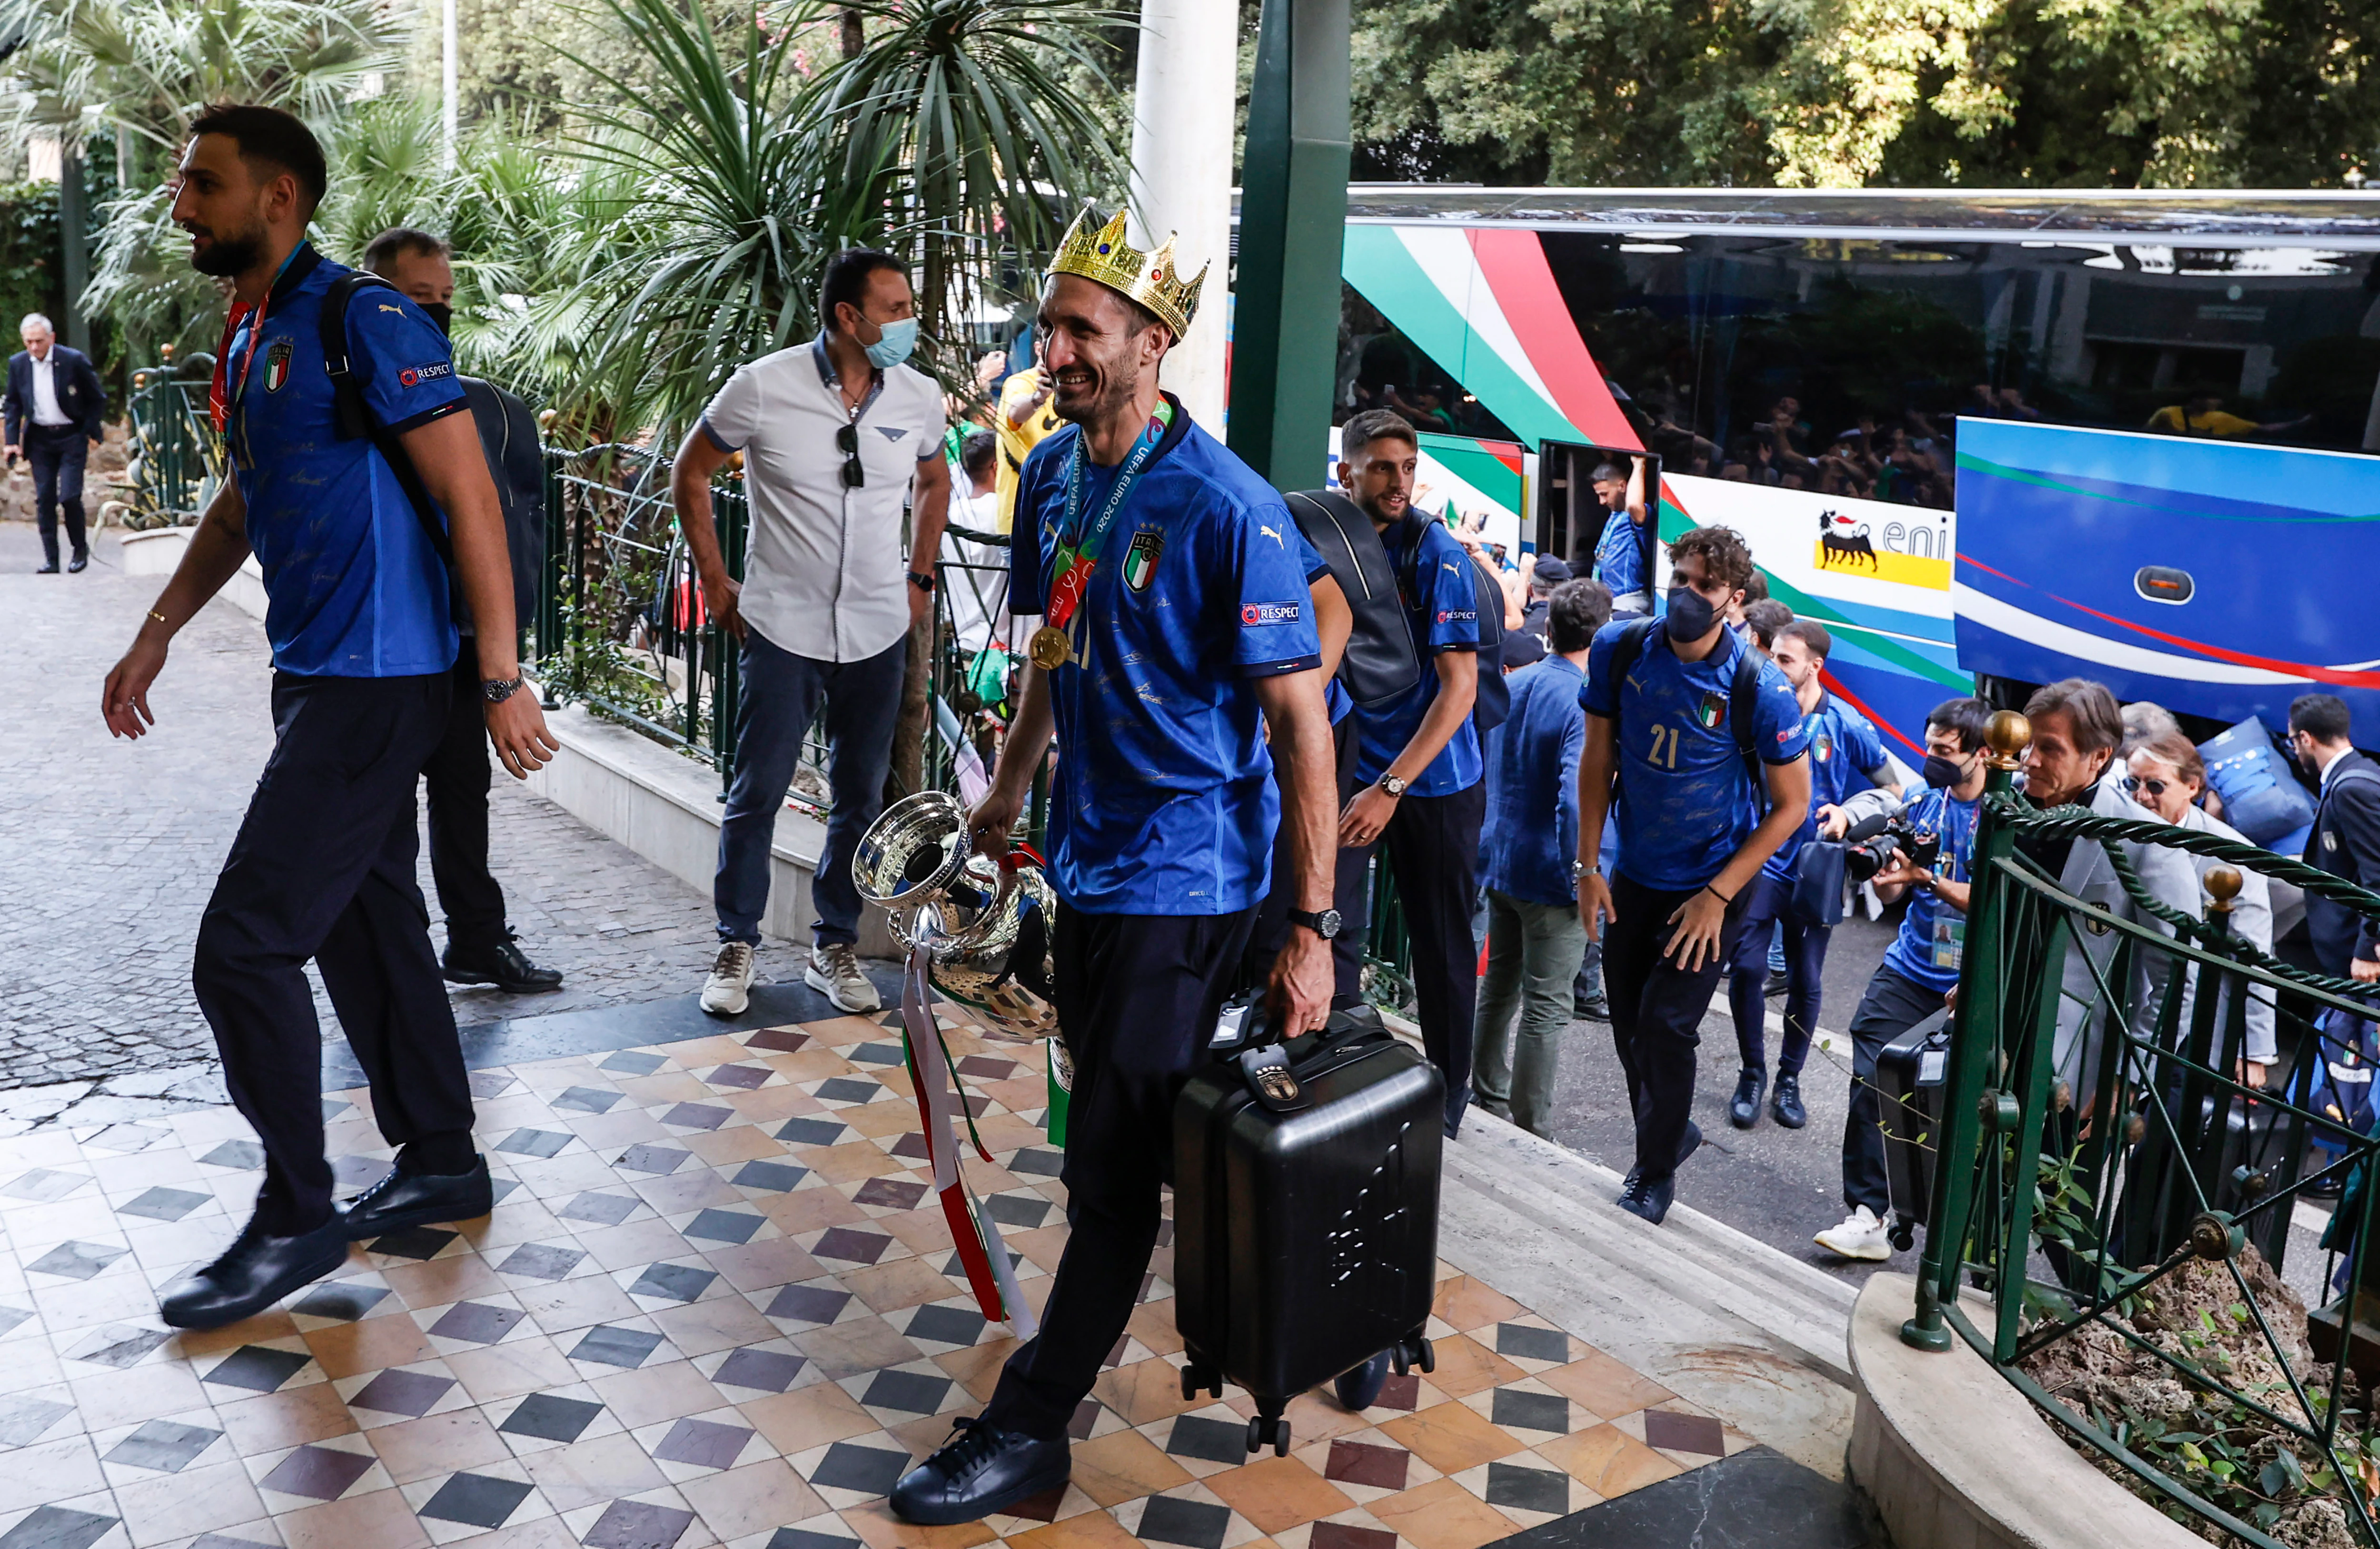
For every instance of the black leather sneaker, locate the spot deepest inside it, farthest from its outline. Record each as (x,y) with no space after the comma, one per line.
(414,1199)
(256,1271)
(981,1469)
(1743,1109)
(1649,1198)
(1359,1389)
(503,965)
(1686,1147)
(1786,1104)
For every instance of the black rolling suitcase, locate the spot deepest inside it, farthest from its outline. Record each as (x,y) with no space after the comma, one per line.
(1908,1076)
(1305,1213)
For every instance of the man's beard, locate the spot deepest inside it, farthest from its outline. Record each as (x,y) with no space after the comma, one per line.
(229,255)
(1113,397)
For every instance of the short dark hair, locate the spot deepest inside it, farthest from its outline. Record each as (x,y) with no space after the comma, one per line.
(269,137)
(846,279)
(1757,590)
(2322,717)
(2098,721)
(1361,430)
(1608,473)
(1724,555)
(977,453)
(1810,632)
(383,251)
(1967,718)
(1767,619)
(1575,611)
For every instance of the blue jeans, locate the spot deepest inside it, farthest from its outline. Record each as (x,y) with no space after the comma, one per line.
(780,695)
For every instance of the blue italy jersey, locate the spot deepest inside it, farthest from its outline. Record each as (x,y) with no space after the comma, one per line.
(1620,555)
(1933,934)
(353,587)
(1843,747)
(1441,600)
(1684,803)
(1165,802)
(1531,835)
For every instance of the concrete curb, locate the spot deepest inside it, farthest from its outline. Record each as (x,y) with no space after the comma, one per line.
(1956,1458)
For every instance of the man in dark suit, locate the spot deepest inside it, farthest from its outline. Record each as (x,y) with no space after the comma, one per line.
(481,948)
(52,415)
(2346,839)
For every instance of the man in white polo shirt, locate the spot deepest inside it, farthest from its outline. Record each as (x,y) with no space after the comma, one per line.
(836,434)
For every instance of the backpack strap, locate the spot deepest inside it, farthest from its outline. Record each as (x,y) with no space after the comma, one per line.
(352,418)
(1742,701)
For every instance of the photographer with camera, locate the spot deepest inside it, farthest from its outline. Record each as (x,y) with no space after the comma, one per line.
(1925,846)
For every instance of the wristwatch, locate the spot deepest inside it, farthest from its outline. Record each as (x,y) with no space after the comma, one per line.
(1393,785)
(498,690)
(1580,869)
(922,580)
(1324,924)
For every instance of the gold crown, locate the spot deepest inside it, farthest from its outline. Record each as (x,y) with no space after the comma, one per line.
(1099,252)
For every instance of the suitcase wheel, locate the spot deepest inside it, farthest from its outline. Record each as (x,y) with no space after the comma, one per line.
(1428,1354)
(1273,1429)
(1415,1351)
(1904,1233)
(1195,1377)
(1397,1357)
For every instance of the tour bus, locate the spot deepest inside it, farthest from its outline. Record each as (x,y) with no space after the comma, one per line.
(1990,439)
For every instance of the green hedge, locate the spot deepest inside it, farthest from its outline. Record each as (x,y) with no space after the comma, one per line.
(30,255)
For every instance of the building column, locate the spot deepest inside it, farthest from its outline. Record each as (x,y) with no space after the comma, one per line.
(1182,103)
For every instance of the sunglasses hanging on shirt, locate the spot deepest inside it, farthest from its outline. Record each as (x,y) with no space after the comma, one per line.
(846,440)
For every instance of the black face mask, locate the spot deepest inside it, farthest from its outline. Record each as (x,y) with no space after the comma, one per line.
(1691,615)
(442,315)
(1942,773)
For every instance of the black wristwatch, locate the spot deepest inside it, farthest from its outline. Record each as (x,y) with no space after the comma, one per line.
(1324,924)
(922,580)
(498,690)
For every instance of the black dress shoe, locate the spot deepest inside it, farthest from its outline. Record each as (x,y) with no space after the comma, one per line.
(414,1199)
(76,565)
(1649,1198)
(1743,1109)
(1787,1102)
(503,965)
(1591,1008)
(981,1469)
(1359,1389)
(49,569)
(256,1271)
(1778,984)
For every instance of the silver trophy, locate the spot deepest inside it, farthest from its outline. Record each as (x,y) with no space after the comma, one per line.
(984,924)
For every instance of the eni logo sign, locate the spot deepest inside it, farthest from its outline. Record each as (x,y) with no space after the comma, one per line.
(1916,552)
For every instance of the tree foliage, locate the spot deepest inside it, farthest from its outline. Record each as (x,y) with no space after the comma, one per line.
(1847,93)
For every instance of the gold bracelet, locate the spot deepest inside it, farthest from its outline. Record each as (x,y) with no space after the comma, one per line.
(159,617)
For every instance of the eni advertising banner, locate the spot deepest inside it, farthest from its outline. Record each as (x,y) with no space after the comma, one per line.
(1878,574)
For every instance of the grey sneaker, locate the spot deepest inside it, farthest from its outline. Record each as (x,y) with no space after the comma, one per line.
(727,992)
(834,972)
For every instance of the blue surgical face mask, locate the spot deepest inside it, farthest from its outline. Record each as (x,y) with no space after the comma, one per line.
(893,348)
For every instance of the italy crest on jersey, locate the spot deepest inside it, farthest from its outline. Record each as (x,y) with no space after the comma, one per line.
(277,363)
(1140,559)
(1711,714)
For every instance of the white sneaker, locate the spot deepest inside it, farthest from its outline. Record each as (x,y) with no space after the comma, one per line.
(1861,1235)
(834,972)
(725,992)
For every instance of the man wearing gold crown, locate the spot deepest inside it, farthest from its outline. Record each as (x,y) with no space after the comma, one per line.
(1175,627)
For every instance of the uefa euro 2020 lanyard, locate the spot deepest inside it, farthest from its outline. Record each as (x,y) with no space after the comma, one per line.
(219,394)
(1078,552)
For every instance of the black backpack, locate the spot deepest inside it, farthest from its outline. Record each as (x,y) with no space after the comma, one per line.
(1494,699)
(352,418)
(1379,663)
(1742,695)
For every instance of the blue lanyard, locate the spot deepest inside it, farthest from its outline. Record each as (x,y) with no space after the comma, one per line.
(1071,538)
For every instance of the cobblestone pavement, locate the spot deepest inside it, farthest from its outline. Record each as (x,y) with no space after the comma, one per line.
(109,850)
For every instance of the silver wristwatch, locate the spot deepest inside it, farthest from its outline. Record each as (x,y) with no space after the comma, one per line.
(1393,785)
(1580,869)
(497,690)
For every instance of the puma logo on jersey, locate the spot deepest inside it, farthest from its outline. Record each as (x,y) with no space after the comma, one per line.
(1269,533)
(386,308)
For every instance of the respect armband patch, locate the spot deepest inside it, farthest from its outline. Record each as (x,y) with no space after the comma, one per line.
(1456,615)
(413,376)
(1269,612)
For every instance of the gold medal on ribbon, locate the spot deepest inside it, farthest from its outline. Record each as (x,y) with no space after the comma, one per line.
(1050,648)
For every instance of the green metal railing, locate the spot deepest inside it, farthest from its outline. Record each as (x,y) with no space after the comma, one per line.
(2096,1142)
(173,456)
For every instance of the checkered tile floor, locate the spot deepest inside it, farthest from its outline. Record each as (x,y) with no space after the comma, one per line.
(715,1305)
